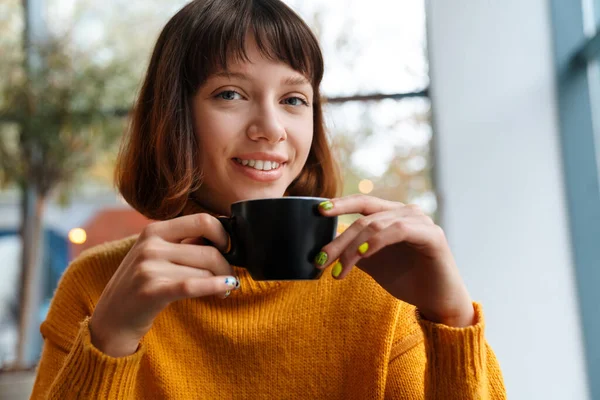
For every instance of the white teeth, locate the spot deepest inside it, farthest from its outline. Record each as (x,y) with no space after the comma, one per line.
(259,164)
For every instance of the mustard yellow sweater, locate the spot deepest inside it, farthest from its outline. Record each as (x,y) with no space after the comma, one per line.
(324,339)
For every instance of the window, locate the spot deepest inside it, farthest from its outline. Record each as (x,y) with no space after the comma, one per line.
(577,51)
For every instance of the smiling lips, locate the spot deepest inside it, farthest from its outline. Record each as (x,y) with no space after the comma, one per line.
(259,169)
(260,165)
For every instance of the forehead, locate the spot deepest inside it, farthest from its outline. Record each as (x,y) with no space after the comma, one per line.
(287,76)
(254,57)
(257,63)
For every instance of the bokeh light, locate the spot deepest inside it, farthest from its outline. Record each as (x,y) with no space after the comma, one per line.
(77,236)
(365,186)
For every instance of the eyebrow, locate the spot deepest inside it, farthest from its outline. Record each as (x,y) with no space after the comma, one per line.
(295,81)
(225,74)
(289,81)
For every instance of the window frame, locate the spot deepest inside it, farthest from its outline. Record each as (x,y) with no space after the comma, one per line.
(576,53)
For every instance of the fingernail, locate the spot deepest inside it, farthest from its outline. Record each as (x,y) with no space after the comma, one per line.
(232,282)
(321,258)
(228,244)
(326,205)
(227,293)
(337,269)
(362,249)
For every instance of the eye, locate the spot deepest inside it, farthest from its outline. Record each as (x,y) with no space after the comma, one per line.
(295,101)
(229,95)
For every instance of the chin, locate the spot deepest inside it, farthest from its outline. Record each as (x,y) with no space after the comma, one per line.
(266,193)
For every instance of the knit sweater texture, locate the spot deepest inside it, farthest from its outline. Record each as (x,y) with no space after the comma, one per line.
(322,339)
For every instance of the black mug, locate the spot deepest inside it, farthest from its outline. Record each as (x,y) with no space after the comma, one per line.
(278,238)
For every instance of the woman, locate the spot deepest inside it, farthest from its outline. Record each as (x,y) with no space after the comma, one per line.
(230,109)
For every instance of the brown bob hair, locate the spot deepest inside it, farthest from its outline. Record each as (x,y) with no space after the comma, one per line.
(158,166)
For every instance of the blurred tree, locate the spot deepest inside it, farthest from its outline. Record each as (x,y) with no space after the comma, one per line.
(55,109)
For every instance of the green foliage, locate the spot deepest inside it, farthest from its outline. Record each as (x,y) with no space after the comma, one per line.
(58,115)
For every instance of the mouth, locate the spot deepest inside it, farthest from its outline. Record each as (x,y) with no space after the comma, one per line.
(259,170)
(259,165)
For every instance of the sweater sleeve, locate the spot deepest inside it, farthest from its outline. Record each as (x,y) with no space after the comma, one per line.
(84,371)
(70,366)
(442,362)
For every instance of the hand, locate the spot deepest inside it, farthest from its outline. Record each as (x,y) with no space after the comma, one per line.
(163,266)
(405,252)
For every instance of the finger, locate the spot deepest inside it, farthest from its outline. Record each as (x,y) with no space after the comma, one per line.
(197,256)
(165,289)
(197,240)
(200,287)
(372,240)
(190,226)
(178,272)
(348,256)
(357,204)
(333,250)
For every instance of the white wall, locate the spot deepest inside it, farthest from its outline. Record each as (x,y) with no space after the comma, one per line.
(499,176)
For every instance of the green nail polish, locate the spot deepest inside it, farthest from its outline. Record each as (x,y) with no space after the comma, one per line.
(326,205)
(337,269)
(321,258)
(362,249)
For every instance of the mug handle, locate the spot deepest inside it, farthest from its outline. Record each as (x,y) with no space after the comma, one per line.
(233,256)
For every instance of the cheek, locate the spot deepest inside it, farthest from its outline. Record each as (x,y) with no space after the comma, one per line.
(303,144)
(210,126)
(215,132)
(307,138)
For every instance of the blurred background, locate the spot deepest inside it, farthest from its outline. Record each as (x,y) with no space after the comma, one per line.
(482,112)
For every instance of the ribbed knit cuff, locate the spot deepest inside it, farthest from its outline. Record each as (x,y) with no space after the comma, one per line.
(88,371)
(456,357)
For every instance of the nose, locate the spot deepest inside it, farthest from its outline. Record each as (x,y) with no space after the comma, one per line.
(266,125)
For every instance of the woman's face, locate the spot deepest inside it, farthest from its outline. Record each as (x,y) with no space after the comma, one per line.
(255,128)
